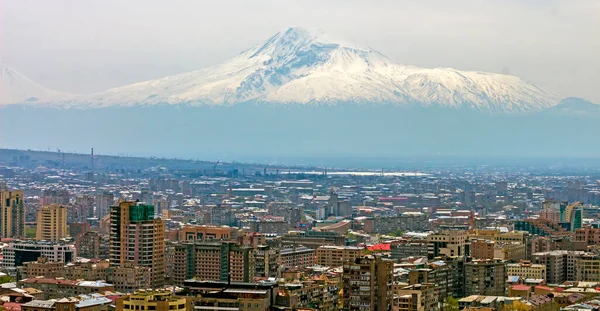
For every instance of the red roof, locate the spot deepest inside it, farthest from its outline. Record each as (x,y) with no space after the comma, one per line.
(543,287)
(11,306)
(521,287)
(380,247)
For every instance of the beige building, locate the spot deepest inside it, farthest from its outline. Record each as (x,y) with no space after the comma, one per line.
(159,300)
(335,256)
(448,243)
(51,223)
(526,270)
(417,297)
(12,214)
(588,268)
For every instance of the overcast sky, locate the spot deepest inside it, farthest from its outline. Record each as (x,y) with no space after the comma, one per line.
(85,46)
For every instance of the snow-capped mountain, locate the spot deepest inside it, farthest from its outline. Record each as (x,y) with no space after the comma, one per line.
(297,66)
(15,88)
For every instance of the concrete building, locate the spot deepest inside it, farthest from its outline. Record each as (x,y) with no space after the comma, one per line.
(213,261)
(223,296)
(560,264)
(485,277)
(367,284)
(526,270)
(51,223)
(128,277)
(417,297)
(409,221)
(12,214)
(16,253)
(204,233)
(103,203)
(85,303)
(88,245)
(335,256)
(448,243)
(136,236)
(313,239)
(407,249)
(159,300)
(297,256)
(587,268)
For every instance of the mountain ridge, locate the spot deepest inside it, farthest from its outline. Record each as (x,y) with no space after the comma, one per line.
(296,66)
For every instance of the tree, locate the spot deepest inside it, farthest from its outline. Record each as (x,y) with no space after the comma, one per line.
(6,279)
(451,304)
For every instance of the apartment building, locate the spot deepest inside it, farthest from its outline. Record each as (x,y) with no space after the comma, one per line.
(51,223)
(335,256)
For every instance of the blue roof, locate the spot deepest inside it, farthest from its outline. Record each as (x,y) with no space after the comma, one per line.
(513,278)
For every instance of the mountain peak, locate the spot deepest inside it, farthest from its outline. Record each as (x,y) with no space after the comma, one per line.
(298,66)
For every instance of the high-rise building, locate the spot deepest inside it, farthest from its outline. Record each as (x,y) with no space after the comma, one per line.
(51,223)
(367,284)
(12,214)
(103,203)
(136,236)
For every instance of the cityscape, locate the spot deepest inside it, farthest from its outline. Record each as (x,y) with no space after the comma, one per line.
(117,233)
(259,155)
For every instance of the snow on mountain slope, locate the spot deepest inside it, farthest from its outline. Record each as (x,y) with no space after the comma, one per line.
(297,66)
(15,88)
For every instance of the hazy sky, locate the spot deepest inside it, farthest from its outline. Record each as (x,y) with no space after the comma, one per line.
(86,46)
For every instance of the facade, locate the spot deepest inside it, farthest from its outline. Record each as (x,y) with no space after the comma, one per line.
(12,214)
(407,249)
(136,236)
(158,300)
(448,243)
(335,256)
(42,267)
(221,296)
(16,253)
(418,297)
(313,239)
(128,277)
(526,270)
(103,203)
(405,222)
(51,223)
(69,304)
(367,284)
(297,256)
(267,261)
(204,233)
(560,264)
(587,268)
(213,261)
(88,245)
(485,277)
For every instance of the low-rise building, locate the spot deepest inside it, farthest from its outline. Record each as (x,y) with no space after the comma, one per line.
(526,270)
(56,288)
(159,300)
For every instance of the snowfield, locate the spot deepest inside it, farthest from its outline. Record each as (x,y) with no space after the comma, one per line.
(300,67)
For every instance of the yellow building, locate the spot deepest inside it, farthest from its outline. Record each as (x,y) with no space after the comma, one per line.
(12,214)
(588,269)
(526,270)
(51,223)
(159,300)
